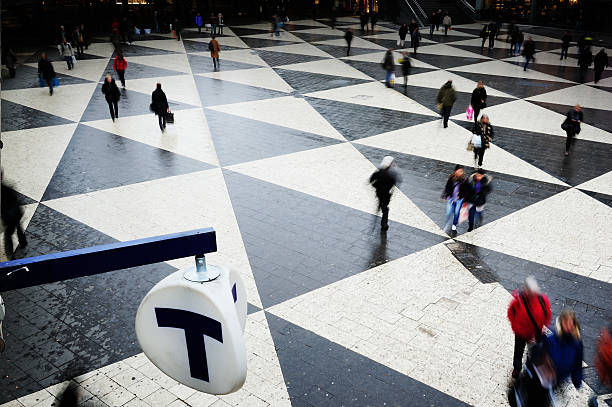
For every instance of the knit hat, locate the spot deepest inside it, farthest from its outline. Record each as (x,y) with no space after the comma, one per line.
(386,162)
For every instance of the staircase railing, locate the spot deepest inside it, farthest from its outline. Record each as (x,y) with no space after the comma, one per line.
(467,8)
(423,16)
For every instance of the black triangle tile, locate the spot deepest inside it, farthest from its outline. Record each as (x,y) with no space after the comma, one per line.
(240,31)
(53,55)
(292,247)
(389,44)
(441,38)
(595,117)
(375,71)
(284,58)
(356,121)
(423,180)
(240,140)
(495,53)
(27,77)
(144,37)
(571,73)
(198,46)
(138,71)
(19,117)
(186,35)
(308,37)
(447,61)
(297,27)
(306,82)
(204,64)
(603,198)
(263,43)
(587,159)
(518,87)
(339,52)
(218,92)
(138,50)
(132,103)
(332,375)
(96,160)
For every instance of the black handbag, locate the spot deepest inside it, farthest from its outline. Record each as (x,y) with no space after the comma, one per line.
(169,117)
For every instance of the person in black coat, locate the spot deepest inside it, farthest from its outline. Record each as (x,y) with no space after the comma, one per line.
(584,61)
(479,100)
(402,35)
(601,63)
(528,51)
(411,27)
(46,71)
(571,125)
(159,105)
(406,66)
(480,186)
(11,214)
(112,95)
(485,130)
(565,43)
(383,182)
(455,191)
(348,36)
(492,34)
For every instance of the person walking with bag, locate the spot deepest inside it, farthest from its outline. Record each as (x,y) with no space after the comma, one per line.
(528,313)
(214,48)
(528,51)
(446,99)
(403,30)
(571,125)
(480,186)
(388,65)
(484,34)
(119,66)
(481,139)
(478,100)
(455,191)
(565,43)
(159,105)
(68,54)
(112,95)
(406,66)
(447,22)
(383,182)
(601,63)
(46,72)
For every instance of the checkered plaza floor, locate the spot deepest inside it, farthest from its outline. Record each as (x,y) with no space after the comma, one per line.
(274,151)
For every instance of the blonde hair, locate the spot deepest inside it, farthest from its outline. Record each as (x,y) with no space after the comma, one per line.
(568,314)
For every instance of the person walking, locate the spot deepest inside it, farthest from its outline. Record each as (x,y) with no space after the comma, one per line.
(112,96)
(571,125)
(483,129)
(455,191)
(480,186)
(11,214)
(584,62)
(432,23)
(528,313)
(411,27)
(528,51)
(389,66)
(46,71)
(363,21)
(220,24)
(403,30)
(348,37)
(484,34)
(492,34)
(177,29)
(415,39)
(601,63)
(565,43)
(119,66)
(373,19)
(519,42)
(446,22)
(199,22)
(84,36)
(11,62)
(213,24)
(159,105)
(383,182)
(513,34)
(406,65)
(68,54)
(478,100)
(438,19)
(214,48)
(446,99)
(77,40)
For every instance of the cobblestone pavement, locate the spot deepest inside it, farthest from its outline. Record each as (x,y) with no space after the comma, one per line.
(274,151)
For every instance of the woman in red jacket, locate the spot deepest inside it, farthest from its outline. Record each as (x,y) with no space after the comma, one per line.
(528,313)
(120,65)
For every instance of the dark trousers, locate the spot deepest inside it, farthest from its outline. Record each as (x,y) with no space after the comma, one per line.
(445,30)
(569,139)
(383,205)
(121,74)
(491,41)
(216,63)
(10,228)
(80,48)
(114,109)
(519,349)
(199,29)
(431,29)
(348,48)
(162,121)
(483,41)
(472,216)
(527,59)
(479,153)
(582,72)
(69,62)
(446,110)
(564,52)
(415,46)
(178,35)
(598,73)
(476,113)
(50,85)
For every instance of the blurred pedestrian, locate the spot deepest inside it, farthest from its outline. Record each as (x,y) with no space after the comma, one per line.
(119,66)
(112,96)
(528,312)
(383,182)
(565,43)
(446,99)
(213,24)
(603,362)
(334,17)
(68,54)
(584,62)
(478,100)
(519,42)
(220,24)
(492,34)
(363,21)
(513,34)
(159,105)
(528,51)
(480,186)
(455,191)
(411,27)
(484,34)
(601,63)
(11,214)
(447,22)
(438,19)
(432,23)
(403,30)
(199,22)
(415,39)
(406,66)
(84,35)
(46,71)
(348,37)
(77,41)
(11,62)
(214,48)
(571,125)
(373,19)
(389,66)
(177,29)
(483,129)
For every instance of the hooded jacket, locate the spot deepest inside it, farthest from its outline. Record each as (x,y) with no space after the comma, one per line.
(464,189)
(566,352)
(519,319)
(447,95)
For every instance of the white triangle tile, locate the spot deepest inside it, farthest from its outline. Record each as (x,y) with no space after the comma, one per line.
(288,111)
(337,173)
(173,62)
(357,43)
(543,38)
(180,88)
(68,101)
(28,212)
(312,23)
(435,80)
(167,45)
(327,67)
(245,56)
(537,119)
(188,136)
(223,41)
(606,82)
(432,141)
(373,94)
(258,26)
(88,69)
(385,36)
(583,95)
(377,57)
(477,42)
(357,27)
(303,48)
(321,31)
(30,157)
(285,36)
(601,184)
(443,49)
(148,209)
(101,49)
(575,237)
(547,58)
(260,77)
(502,68)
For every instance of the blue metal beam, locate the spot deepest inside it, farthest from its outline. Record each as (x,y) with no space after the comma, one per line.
(54,267)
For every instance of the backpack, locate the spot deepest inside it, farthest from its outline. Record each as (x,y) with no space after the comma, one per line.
(211,48)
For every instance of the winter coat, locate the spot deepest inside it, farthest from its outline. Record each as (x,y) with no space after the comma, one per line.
(447,95)
(566,352)
(479,98)
(492,30)
(586,59)
(528,48)
(348,36)
(67,50)
(479,197)
(215,48)
(45,69)
(388,63)
(411,28)
(11,212)
(159,103)
(406,65)
(484,33)
(199,21)
(403,31)
(447,20)
(111,91)
(486,133)
(601,61)
(566,39)
(383,182)
(519,319)
(573,119)
(416,38)
(119,64)
(464,188)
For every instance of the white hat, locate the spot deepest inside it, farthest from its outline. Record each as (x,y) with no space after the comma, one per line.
(386,162)
(532,284)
